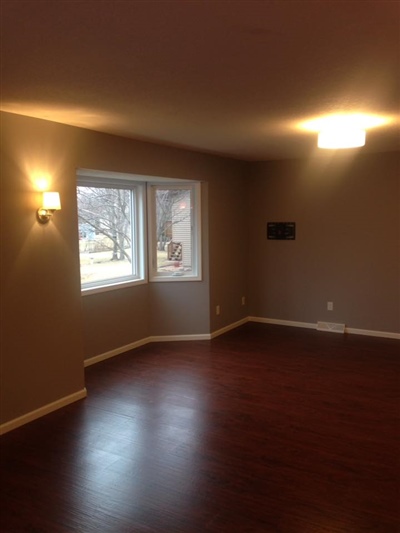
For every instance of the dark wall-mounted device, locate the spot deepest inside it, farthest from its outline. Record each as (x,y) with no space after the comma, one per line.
(281,231)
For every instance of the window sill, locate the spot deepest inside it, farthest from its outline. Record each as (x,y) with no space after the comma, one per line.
(175,278)
(112,286)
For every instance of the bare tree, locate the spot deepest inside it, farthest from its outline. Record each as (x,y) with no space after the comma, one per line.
(108,212)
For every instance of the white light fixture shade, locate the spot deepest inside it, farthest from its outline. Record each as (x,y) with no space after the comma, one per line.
(51,201)
(338,138)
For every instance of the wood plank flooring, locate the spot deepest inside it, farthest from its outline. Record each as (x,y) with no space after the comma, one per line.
(265,429)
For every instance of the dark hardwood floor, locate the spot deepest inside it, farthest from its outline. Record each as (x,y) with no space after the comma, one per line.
(265,429)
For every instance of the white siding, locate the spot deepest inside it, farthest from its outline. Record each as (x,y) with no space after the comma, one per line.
(181,228)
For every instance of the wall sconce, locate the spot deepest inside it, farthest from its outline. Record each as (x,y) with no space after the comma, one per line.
(51,203)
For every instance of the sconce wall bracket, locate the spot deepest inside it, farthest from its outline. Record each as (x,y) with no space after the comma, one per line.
(44,215)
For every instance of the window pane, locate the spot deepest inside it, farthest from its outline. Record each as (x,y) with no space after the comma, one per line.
(174,230)
(105,233)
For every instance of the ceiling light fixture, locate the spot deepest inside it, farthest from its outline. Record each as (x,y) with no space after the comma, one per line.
(343,130)
(341,137)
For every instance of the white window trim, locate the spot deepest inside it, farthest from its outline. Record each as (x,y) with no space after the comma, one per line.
(144,225)
(196,274)
(139,240)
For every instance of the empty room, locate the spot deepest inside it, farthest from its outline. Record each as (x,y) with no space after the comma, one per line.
(200,266)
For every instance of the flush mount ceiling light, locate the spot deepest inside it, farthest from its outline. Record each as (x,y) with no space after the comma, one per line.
(343,130)
(341,137)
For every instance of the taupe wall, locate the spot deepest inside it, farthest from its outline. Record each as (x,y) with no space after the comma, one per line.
(228,243)
(41,325)
(47,327)
(346,210)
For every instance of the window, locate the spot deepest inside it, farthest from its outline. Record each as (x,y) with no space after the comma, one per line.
(111,232)
(174,231)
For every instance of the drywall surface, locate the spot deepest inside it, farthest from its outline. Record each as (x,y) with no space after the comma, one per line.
(346,208)
(41,321)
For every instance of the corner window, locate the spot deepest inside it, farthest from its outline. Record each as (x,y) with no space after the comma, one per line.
(174,232)
(111,232)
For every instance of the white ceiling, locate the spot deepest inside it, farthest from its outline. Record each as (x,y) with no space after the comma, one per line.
(226,77)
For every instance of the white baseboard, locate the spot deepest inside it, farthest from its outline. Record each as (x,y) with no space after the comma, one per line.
(162,338)
(279,322)
(310,325)
(169,338)
(42,411)
(371,333)
(116,351)
(228,328)
(142,342)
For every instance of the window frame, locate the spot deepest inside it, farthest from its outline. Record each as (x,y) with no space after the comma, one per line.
(144,224)
(137,190)
(195,231)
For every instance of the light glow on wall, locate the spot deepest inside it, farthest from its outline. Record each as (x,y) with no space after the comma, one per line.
(41,181)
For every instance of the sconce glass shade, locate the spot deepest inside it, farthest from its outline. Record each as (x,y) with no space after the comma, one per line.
(338,138)
(51,203)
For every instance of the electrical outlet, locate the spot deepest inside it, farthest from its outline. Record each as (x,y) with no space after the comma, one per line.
(218,310)
(243,300)
(329,306)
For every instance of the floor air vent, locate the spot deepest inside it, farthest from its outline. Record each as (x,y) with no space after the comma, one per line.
(330,326)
